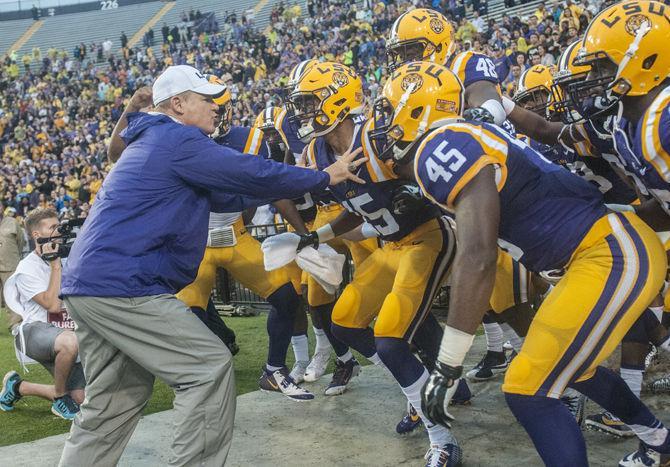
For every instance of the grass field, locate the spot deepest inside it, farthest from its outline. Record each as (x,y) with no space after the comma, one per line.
(32,418)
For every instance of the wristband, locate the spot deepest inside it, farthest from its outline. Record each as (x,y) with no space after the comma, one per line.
(496,109)
(368,231)
(508,104)
(455,345)
(325,233)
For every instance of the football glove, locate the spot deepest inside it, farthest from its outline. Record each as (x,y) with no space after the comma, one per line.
(310,239)
(438,391)
(478,114)
(407,198)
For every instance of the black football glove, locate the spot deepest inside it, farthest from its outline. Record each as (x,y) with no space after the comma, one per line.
(478,114)
(310,239)
(407,198)
(438,391)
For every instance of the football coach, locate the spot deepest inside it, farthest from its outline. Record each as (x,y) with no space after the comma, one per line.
(143,241)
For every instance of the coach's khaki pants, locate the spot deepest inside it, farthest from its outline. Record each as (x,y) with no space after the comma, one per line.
(124,343)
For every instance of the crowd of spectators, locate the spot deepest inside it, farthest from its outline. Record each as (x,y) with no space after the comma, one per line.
(57,109)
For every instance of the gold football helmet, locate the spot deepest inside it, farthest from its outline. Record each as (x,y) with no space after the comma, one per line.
(416,97)
(419,35)
(225,103)
(323,97)
(623,48)
(566,73)
(534,89)
(296,73)
(273,136)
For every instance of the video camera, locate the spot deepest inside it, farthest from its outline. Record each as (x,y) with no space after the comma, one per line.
(63,238)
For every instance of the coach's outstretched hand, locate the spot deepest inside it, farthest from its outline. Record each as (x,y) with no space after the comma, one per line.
(438,391)
(345,167)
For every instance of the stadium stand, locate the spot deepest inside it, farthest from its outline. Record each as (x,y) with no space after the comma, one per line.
(66,31)
(11,32)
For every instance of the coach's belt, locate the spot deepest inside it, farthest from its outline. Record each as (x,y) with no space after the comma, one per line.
(221,237)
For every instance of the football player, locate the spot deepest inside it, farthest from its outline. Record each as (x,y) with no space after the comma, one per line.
(426,35)
(501,189)
(396,284)
(280,139)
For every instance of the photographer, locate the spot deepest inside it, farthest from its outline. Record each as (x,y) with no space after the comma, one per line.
(43,335)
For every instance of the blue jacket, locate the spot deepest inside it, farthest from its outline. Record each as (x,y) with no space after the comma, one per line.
(147,230)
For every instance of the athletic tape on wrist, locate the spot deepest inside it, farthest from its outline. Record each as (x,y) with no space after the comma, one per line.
(455,345)
(496,109)
(508,104)
(325,233)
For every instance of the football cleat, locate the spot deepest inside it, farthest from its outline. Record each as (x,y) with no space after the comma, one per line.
(446,455)
(342,375)
(575,403)
(463,395)
(493,363)
(507,347)
(410,422)
(651,358)
(645,457)
(298,372)
(280,381)
(608,423)
(661,384)
(317,366)
(10,394)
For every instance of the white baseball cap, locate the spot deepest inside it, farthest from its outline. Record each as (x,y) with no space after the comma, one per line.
(181,78)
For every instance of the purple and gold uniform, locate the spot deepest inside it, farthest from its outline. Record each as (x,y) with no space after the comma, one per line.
(327,210)
(643,149)
(398,281)
(471,67)
(551,219)
(595,170)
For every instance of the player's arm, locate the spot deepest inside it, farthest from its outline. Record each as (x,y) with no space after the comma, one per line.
(477,210)
(139,100)
(290,213)
(484,94)
(345,222)
(531,124)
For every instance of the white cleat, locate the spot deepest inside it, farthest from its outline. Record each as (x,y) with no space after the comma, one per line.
(298,372)
(317,367)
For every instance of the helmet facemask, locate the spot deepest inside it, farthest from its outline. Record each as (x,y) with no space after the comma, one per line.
(536,99)
(305,112)
(592,96)
(413,50)
(274,140)
(562,104)
(225,113)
